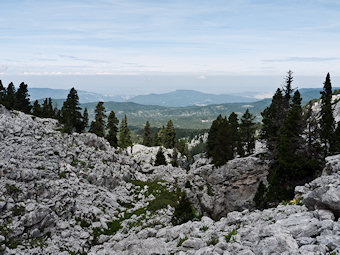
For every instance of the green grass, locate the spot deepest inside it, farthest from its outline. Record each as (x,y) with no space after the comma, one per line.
(213,241)
(181,241)
(230,235)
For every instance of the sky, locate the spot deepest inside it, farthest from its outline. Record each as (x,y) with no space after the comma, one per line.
(134,46)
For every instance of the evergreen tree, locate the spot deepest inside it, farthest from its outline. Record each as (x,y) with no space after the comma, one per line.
(98,124)
(156,140)
(336,148)
(247,132)
(288,88)
(50,110)
(22,101)
(44,109)
(147,138)
(2,93)
(36,109)
(70,114)
(9,99)
(273,117)
(161,135)
(124,134)
(112,125)
(293,166)
(182,147)
(234,132)
(169,135)
(160,158)
(219,141)
(327,122)
(85,119)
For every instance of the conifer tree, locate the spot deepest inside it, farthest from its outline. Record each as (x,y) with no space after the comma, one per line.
(161,135)
(293,166)
(22,101)
(234,132)
(112,125)
(2,93)
(36,111)
(288,88)
(312,133)
(327,122)
(219,141)
(247,132)
(147,138)
(9,99)
(155,140)
(169,135)
(273,117)
(160,158)
(98,124)
(124,134)
(50,110)
(85,119)
(70,114)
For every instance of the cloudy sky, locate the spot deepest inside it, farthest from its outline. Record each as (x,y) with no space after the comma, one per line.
(201,39)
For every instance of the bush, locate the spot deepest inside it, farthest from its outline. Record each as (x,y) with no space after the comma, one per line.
(160,159)
(230,235)
(183,211)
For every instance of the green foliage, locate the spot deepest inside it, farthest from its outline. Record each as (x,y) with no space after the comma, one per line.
(209,190)
(18,210)
(70,114)
(247,133)
(22,101)
(183,211)
(112,125)
(160,158)
(98,125)
(147,138)
(85,119)
(62,175)
(213,241)
(124,134)
(327,122)
(198,149)
(169,135)
(156,140)
(229,236)
(181,241)
(219,144)
(204,228)
(182,147)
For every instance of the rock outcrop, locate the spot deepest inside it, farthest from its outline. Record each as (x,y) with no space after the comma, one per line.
(68,194)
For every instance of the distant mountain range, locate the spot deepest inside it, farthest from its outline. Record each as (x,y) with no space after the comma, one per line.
(84,96)
(190,117)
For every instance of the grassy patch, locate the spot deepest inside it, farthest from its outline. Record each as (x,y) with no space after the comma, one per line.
(181,241)
(230,235)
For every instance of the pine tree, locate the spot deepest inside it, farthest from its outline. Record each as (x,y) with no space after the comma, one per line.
(234,132)
(247,132)
(36,111)
(50,110)
(293,166)
(22,101)
(169,135)
(219,141)
(327,122)
(98,124)
(2,93)
(112,125)
(288,88)
(85,119)
(160,158)
(124,134)
(273,117)
(312,133)
(9,99)
(147,138)
(155,140)
(70,114)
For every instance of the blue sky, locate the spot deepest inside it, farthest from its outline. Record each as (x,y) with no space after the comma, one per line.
(159,37)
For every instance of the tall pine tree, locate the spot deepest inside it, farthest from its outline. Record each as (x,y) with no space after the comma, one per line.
(70,114)
(327,122)
(147,138)
(2,93)
(22,101)
(36,111)
(9,99)
(247,132)
(124,134)
(169,135)
(98,124)
(85,119)
(112,126)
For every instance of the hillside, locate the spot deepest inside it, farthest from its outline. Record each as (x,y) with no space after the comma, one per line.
(68,194)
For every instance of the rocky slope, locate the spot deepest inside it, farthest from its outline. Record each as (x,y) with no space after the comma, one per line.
(68,194)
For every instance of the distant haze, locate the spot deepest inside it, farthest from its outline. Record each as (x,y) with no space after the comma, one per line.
(130,85)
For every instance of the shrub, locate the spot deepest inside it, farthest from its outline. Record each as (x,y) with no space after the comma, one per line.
(230,235)
(181,241)
(183,211)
